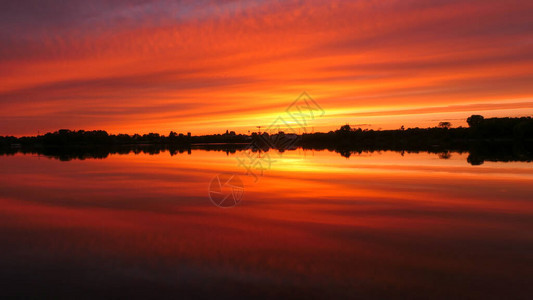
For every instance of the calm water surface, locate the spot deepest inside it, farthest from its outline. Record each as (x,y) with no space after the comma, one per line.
(315,225)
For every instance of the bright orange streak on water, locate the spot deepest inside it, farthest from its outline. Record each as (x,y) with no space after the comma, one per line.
(368,221)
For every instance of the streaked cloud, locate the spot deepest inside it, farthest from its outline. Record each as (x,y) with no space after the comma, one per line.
(206,66)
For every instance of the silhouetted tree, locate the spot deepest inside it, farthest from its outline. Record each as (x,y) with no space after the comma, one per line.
(345,128)
(474,120)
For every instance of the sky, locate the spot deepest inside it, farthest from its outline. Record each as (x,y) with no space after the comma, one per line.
(207,66)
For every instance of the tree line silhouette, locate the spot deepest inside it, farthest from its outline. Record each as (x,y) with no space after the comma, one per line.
(479,130)
(65,137)
(501,139)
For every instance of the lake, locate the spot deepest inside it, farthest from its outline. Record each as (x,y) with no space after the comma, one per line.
(314,224)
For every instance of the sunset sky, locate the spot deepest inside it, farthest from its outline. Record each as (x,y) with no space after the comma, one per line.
(207,66)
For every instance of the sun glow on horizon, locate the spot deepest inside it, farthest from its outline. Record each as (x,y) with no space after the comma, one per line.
(150,67)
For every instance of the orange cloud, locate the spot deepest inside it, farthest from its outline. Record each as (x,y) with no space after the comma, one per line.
(208,66)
